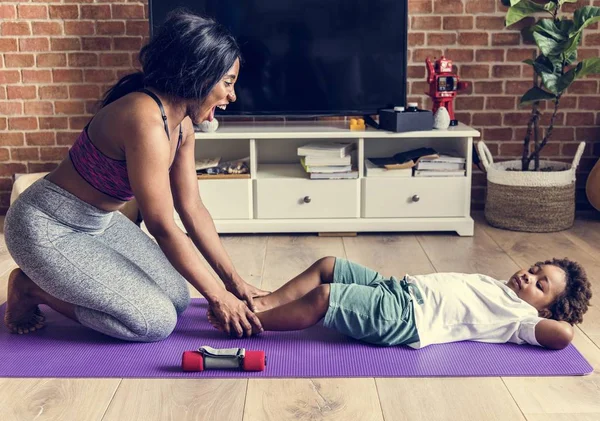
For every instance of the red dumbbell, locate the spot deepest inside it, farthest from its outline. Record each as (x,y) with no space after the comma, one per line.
(206,358)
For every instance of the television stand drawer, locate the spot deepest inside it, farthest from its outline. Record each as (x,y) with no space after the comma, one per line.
(226,199)
(301,198)
(414,197)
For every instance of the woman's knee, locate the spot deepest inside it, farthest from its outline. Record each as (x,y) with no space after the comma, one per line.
(182,301)
(160,324)
(178,293)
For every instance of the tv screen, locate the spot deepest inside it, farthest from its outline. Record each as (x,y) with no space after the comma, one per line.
(311,57)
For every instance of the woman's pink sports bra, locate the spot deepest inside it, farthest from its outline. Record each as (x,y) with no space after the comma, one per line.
(106,174)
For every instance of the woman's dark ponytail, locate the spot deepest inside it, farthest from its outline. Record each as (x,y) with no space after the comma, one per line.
(128,83)
(185,59)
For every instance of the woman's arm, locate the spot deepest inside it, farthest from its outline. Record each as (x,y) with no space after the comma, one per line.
(553,334)
(148,154)
(194,215)
(198,222)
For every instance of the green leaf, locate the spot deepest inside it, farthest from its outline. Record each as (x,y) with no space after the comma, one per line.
(571,45)
(561,2)
(536,94)
(570,57)
(541,65)
(548,45)
(548,70)
(590,66)
(521,10)
(565,80)
(555,38)
(554,62)
(566,27)
(550,81)
(549,28)
(586,16)
(585,67)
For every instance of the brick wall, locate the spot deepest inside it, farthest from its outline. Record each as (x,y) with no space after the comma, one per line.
(58,57)
(56,60)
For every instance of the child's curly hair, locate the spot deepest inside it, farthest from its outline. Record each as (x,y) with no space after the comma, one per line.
(572,304)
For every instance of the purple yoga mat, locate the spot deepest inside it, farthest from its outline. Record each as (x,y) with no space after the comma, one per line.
(66,349)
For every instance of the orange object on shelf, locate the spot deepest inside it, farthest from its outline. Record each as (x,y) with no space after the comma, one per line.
(357,124)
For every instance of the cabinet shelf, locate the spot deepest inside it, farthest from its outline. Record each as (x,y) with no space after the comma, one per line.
(280,196)
(282,171)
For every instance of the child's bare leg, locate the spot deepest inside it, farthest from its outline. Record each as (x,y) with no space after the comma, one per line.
(297,304)
(319,273)
(299,314)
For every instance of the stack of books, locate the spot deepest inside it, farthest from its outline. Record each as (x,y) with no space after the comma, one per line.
(374,170)
(400,164)
(327,160)
(444,166)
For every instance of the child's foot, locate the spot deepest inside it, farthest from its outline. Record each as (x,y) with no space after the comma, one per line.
(212,319)
(265,302)
(257,292)
(22,312)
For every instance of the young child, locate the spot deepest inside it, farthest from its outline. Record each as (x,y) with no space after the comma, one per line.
(535,306)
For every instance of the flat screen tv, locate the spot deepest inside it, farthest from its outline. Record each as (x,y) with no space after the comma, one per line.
(311,57)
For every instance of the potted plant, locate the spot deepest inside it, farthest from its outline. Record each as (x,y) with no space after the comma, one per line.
(523,194)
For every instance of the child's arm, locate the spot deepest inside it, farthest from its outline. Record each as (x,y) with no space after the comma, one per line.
(553,334)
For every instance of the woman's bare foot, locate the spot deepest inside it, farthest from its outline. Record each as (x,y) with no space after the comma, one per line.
(22,312)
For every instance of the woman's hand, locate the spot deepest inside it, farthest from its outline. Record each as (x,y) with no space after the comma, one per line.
(245,292)
(234,316)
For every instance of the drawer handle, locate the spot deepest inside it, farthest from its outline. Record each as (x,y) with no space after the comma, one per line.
(307,199)
(416,198)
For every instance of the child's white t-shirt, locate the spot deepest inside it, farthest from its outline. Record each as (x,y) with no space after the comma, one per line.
(474,307)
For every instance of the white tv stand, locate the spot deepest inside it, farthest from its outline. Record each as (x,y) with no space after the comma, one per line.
(279,196)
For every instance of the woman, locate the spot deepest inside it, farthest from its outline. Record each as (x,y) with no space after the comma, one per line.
(92,264)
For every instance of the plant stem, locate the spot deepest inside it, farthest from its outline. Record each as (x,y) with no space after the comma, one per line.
(536,143)
(548,133)
(524,159)
(531,125)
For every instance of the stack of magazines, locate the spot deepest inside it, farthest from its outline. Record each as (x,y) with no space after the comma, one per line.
(327,160)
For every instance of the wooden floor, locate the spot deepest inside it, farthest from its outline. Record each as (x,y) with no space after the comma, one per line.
(271,260)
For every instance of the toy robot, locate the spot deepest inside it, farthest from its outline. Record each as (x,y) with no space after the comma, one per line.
(443,85)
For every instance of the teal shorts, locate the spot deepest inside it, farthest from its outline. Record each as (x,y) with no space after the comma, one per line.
(366,306)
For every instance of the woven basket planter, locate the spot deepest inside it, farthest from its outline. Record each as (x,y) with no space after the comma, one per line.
(533,201)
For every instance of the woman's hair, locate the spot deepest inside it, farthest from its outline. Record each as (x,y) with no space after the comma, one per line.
(185,59)
(572,304)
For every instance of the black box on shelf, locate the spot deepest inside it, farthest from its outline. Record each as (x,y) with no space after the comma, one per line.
(406,121)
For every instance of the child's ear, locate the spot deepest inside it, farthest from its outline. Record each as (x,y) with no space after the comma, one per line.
(545,313)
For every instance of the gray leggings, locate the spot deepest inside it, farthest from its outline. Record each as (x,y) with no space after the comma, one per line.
(117,277)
